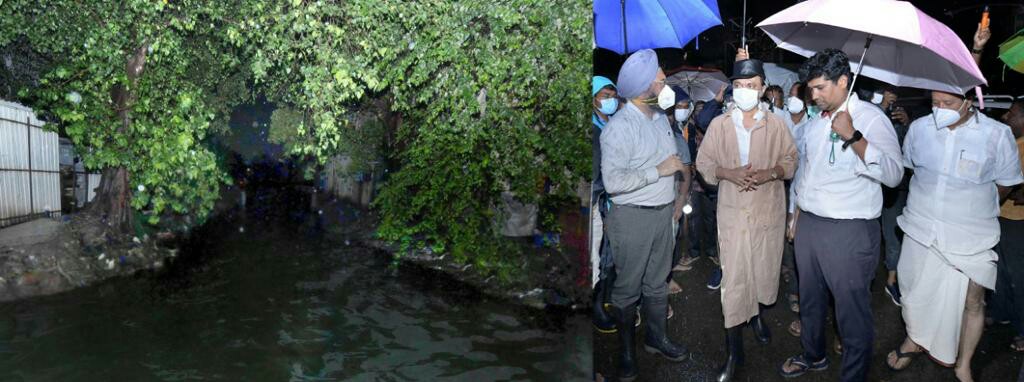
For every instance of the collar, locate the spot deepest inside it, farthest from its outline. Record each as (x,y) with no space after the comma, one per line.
(737,116)
(850,107)
(597,121)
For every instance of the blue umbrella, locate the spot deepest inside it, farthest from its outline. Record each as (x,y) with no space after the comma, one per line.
(651,24)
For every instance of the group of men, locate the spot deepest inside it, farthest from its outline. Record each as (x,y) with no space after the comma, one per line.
(837,153)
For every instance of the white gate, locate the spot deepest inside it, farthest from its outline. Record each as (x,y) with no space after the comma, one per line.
(29,166)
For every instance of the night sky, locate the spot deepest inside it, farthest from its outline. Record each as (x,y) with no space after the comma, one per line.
(718,44)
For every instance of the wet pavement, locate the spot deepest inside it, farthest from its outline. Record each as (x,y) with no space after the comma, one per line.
(698,324)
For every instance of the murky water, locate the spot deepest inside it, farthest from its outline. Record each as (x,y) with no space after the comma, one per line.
(277,304)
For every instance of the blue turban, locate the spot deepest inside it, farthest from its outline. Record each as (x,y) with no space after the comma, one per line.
(598,83)
(638,73)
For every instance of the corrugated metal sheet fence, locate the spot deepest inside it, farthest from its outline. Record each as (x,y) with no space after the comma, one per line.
(29,166)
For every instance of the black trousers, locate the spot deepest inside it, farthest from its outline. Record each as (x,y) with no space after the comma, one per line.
(837,256)
(1009,294)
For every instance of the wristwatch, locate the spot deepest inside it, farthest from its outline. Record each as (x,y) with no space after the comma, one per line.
(856,137)
(977,51)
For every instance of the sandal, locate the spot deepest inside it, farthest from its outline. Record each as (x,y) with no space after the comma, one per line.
(802,366)
(795,328)
(1017,344)
(901,355)
(674,288)
(681,268)
(688,261)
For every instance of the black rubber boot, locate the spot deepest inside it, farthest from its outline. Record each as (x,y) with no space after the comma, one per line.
(602,318)
(625,318)
(761,331)
(734,351)
(655,339)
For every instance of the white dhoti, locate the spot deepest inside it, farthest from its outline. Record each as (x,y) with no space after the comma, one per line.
(596,235)
(933,285)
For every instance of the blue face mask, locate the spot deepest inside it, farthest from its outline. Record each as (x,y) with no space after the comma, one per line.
(609,106)
(813,111)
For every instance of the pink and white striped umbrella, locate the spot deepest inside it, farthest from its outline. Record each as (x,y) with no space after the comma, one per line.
(908,47)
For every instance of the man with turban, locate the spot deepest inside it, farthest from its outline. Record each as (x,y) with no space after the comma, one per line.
(638,165)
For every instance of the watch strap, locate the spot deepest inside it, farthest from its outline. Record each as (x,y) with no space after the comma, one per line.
(856,137)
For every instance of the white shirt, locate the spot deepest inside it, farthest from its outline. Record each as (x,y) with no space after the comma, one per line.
(953,202)
(849,188)
(632,146)
(742,134)
(793,126)
(796,129)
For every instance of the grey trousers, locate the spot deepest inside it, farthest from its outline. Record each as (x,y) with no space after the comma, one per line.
(642,241)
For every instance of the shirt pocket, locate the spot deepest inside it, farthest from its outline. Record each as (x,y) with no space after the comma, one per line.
(971,166)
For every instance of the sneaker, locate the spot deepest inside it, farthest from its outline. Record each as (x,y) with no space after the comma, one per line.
(715,281)
(893,290)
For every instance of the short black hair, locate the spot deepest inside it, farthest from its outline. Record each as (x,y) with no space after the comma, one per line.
(801,91)
(830,63)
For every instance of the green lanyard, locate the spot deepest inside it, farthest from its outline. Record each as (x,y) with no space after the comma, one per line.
(834,137)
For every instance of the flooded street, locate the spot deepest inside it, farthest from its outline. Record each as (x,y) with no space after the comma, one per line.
(279,303)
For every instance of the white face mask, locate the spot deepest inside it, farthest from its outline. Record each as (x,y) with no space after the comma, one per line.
(746,99)
(946,117)
(682,114)
(666,98)
(876,98)
(795,105)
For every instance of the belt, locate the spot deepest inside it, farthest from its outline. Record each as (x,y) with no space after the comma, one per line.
(647,207)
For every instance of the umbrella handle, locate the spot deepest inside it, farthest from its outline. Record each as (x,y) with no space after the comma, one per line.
(860,66)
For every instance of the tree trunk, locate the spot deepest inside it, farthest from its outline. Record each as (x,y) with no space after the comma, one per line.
(111,202)
(112,196)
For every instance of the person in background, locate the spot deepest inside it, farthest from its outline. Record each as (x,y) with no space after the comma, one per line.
(964,164)
(702,227)
(796,115)
(680,119)
(981,36)
(638,166)
(894,198)
(849,152)
(1009,294)
(748,152)
(776,101)
(605,104)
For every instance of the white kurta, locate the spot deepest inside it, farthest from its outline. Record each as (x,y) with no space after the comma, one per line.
(951,221)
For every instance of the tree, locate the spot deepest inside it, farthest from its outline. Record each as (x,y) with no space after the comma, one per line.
(139,84)
(471,97)
(488,95)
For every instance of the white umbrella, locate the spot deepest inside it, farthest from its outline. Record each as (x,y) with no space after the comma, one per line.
(907,47)
(781,76)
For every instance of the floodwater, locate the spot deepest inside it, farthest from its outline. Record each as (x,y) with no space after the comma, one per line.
(281,303)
